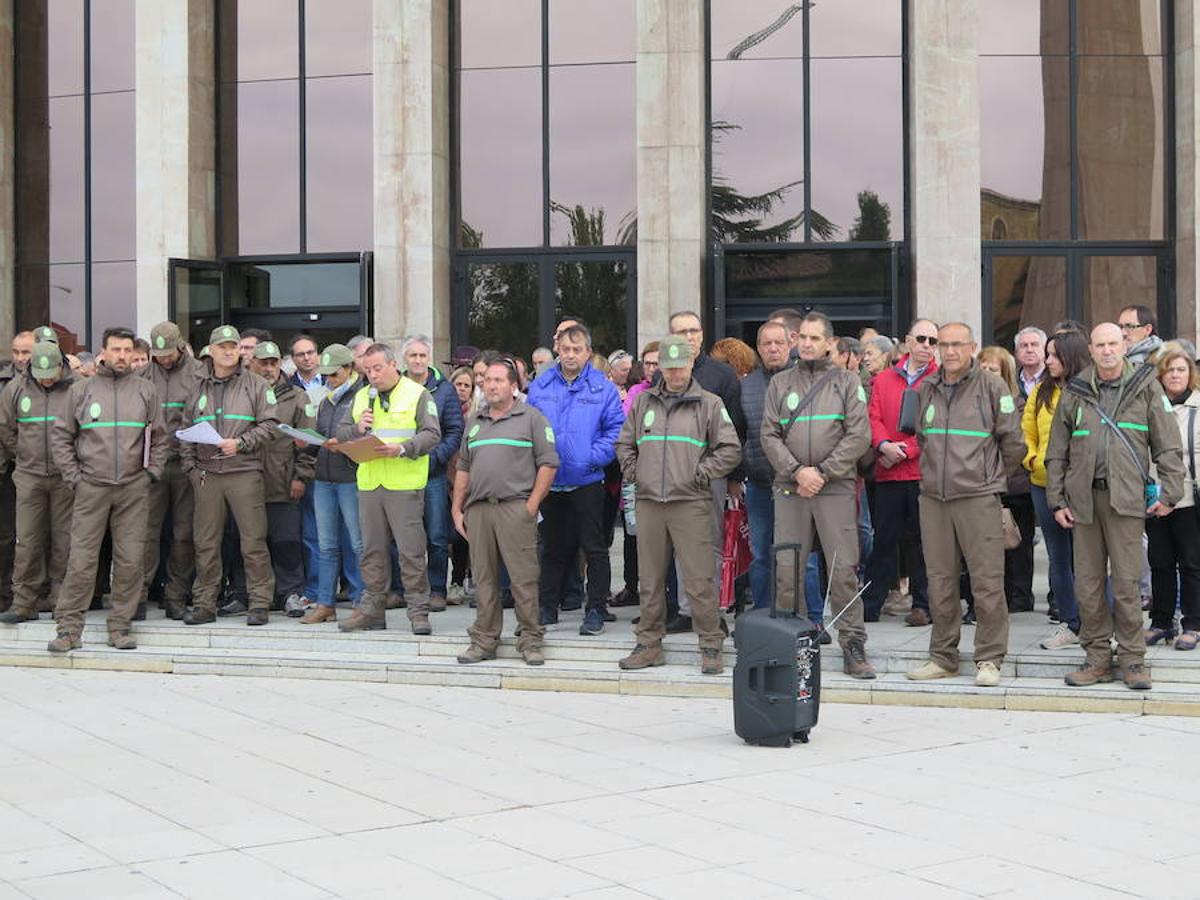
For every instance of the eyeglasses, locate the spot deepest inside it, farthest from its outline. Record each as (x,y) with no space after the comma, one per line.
(688,332)
(1130,326)
(925,339)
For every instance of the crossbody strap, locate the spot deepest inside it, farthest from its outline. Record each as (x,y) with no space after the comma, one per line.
(1192,444)
(806,400)
(1112,426)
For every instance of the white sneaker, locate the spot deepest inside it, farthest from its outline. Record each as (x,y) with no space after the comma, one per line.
(468,588)
(455,595)
(1062,637)
(987,674)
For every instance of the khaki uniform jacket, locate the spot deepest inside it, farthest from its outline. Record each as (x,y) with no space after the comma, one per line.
(831,433)
(673,449)
(502,456)
(970,435)
(176,387)
(28,413)
(102,438)
(1144,416)
(284,462)
(241,406)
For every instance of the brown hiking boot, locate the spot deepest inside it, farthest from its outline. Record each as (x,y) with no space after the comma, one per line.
(121,640)
(436,603)
(369,615)
(643,657)
(16,616)
(420,623)
(318,614)
(918,618)
(1089,675)
(394,601)
(1136,677)
(854,661)
(175,609)
(710,661)
(64,643)
(475,654)
(533,656)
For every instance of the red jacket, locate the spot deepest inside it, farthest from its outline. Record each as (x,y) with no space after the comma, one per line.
(887,390)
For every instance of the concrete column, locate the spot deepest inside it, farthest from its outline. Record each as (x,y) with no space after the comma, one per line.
(8,246)
(1187,168)
(671,177)
(176,145)
(944,173)
(412,170)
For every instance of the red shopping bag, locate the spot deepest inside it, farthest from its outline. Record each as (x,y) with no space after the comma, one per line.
(735,552)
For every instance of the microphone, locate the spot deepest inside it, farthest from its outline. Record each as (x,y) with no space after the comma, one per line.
(372,394)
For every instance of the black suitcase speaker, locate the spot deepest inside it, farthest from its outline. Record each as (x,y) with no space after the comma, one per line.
(777,676)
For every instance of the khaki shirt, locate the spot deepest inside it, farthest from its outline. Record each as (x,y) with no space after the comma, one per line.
(502,455)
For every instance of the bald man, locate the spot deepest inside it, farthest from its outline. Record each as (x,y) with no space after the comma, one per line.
(21,350)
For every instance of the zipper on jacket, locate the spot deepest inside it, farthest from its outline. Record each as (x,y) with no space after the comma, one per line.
(946,440)
(116,437)
(46,433)
(662,494)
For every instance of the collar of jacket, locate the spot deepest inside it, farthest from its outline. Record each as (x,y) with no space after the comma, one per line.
(901,368)
(341,390)
(68,378)
(692,392)
(937,378)
(103,371)
(586,376)
(517,409)
(433,378)
(1087,383)
(814,366)
(211,371)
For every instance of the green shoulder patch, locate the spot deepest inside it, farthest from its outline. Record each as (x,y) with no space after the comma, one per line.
(1078,415)
(271,396)
(474,431)
(431,408)
(550,434)
(725,415)
(310,410)
(862,394)
(1007,404)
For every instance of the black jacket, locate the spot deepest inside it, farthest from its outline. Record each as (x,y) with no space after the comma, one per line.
(331,465)
(754,392)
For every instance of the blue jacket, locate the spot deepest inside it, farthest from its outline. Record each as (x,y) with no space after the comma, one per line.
(586,416)
(450,417)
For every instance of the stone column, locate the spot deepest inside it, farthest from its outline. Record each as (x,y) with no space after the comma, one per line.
(8,247)
(176,145)
(944,175)
(671,177)
(412,169)
(1187,169)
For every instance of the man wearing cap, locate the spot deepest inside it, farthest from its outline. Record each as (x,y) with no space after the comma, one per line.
(241,407)
(677,439)
(505,468)
(22,346)
(288,467)
(109,446)
(391,487)
(175,376)
(29,408)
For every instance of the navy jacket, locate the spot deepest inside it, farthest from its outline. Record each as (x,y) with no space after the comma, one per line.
(450,417)
(586,416)
(754,391)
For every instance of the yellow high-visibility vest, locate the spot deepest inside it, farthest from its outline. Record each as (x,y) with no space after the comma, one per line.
(395,425)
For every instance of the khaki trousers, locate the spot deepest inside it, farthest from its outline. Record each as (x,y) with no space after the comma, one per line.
(172,494)
(836,522)
(43,546)
(1110,547)
(99,508)
(400,515)
(685,528)
(243,493)
(951,531)
(504,533)
(8,536)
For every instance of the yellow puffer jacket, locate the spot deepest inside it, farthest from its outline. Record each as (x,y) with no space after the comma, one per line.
(1036,425)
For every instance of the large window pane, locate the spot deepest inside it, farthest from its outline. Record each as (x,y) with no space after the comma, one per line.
(734,22)
(1121,148)
(502,310)
(268,44)
(499,34)
(858,146)
(1110,283)
(758,150)
(337,36)
(1120,27)
(112,45)
(268,167)
(593,146)
(197,303)
(1027,290)
(114,181)
(1025,148)
(306,286)
(114,297)
(68,299)
(66,179)
(1024,27)
(797,275)
(64,47)
(592,31)
(598,292)
(501,157)
(855,28)
(339,189)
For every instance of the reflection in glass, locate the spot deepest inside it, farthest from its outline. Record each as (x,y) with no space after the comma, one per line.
(114,297)
(809,274)
(339,191)
(303,286)
(502,306)
(337,36)
(1027,290)
(267,39)
(112,45)
(114,181)
(858,146)
(68,299)
(592,31)
(1025,172)
(851,28)
(1121,148)
(197,303)
(499,34)
(733,22)
(598,292)
(1110,283)
(1121,28)
(593,152)
(501,158)
(66,179)
(268,167)
(1024,27)
(64,47)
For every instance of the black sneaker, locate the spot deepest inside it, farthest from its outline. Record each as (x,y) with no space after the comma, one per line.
(258,617)
(195,617)
(609,616)
(679,625)
(625,598)
(233,608)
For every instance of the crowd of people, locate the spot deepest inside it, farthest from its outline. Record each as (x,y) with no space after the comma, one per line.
(917,475)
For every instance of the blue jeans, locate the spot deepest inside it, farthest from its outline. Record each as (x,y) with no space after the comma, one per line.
(814,598)
(336,508)
(312,544)
(1060,548)
(437,533)
(760,511)
(866,533)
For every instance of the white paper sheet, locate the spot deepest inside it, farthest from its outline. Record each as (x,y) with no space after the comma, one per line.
(201,433)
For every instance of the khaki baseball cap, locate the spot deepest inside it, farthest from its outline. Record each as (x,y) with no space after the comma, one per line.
(204,353)
(45,334)
(334,357)
(165,339)
(674,352)
(267,350)
(46,361)
(224,334)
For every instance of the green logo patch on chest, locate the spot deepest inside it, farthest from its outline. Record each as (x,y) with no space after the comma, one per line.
(26,404)
(271,396)
(648,418)
(94,410)
(793,401)
(929,414)
(202,403)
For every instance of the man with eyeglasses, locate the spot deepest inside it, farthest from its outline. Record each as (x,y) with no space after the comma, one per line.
(898,477)
(308,378)
(1138,326)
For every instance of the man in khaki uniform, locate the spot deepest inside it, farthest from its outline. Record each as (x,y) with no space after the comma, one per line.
(1112,423)
(814,430)
(109,447)
(241,407)
(970,437)
(29,409)
(176,376)
(22,347)
(506,465)
(677,439)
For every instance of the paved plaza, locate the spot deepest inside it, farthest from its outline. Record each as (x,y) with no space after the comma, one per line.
(129,784)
